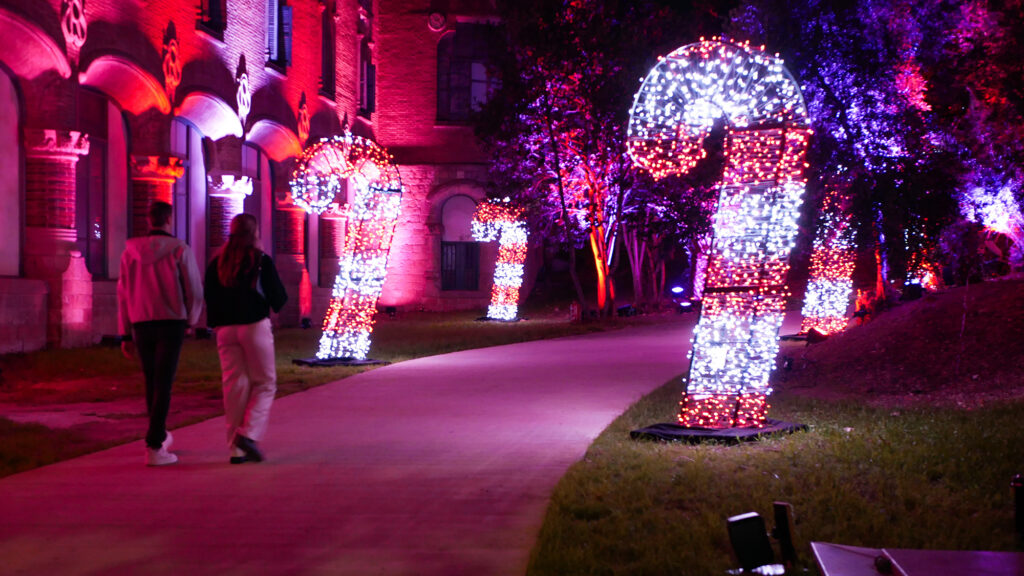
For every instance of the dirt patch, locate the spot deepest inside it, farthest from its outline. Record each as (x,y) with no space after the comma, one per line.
(112,422)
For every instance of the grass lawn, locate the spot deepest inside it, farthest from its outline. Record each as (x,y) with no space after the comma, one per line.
(914,434)
(54,379)
(866,476)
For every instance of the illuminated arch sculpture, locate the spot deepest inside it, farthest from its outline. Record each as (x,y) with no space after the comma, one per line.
(736,339)
(831,283)
(371,213)
(499,221)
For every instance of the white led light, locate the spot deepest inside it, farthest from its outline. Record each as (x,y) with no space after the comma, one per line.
(371,215)
(736,339)
(497,220)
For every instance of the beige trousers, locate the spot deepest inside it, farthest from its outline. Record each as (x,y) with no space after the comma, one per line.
(249,377)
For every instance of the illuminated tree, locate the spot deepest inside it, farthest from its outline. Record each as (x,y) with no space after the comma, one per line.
(682,98)
(918,101)
(557,132)
(371,212)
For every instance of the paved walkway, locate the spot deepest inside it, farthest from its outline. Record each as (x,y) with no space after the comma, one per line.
(440,466)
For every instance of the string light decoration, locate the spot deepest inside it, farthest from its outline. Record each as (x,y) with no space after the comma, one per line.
(831,283)
(498,220)
(371,213)
(736,339)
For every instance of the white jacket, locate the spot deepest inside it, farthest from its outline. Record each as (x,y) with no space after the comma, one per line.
(159,280)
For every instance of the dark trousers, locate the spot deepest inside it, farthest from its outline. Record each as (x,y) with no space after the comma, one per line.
(159,346)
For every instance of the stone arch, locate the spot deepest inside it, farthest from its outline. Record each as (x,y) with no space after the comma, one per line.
(28,50)
(214,117)
(133,88)
(278,141)
(439,195)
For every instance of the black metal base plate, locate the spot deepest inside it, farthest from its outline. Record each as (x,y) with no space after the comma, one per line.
(669,432)
(317,362)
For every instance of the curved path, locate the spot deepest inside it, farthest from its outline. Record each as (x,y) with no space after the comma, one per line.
(439,466)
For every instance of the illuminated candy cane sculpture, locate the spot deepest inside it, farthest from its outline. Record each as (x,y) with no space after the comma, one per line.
(498,221)
(736,339)
(375,195)
(831,283)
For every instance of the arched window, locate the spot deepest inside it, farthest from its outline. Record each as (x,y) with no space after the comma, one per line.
(10,167)
(460,255)
(466,77)
(190,196)
(91,188)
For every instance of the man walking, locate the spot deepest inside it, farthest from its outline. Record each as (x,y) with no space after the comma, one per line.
(159,295)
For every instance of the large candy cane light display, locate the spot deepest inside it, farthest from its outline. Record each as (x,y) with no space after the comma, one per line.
(831,283)
(499,221)
(683,96)
(375,195)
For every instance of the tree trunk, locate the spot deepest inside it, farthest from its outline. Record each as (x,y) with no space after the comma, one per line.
(636,251)
(605,288)
(584,309)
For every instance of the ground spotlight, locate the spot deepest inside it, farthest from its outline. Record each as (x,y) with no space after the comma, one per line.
(750,541)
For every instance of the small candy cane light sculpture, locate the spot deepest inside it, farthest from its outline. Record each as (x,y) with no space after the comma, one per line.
(371,214)
(499,221)
(736,339)
(830,286)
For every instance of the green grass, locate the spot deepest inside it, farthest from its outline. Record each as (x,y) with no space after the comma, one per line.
(913,478)
(908,447)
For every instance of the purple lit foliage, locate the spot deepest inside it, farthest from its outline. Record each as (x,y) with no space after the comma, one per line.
(556,133)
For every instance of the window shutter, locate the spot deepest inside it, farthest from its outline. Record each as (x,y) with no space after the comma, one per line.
(286,24)
(272,46)
(371,88)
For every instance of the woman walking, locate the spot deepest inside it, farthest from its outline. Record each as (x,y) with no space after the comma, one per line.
(241,287)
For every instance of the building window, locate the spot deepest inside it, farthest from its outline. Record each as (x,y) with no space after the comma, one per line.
(91,187)
(466,76)
(213,17)
(460,265)
(367,81)
(279,35)
(460,255)
(327,51)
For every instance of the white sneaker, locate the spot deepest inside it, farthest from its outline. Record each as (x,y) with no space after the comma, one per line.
(159,457)
(167,441)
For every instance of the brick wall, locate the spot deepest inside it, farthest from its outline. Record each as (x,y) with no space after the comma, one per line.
(22,315)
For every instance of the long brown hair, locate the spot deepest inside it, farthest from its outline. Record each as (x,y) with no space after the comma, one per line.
(241,254)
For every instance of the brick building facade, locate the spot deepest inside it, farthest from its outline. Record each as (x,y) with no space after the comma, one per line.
(107,105)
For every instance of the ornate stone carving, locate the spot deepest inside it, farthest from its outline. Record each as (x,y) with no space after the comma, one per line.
(56,143)
(243,98)
(230,185)
(73,23)
(166,168)
(172,68)
(303,120)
